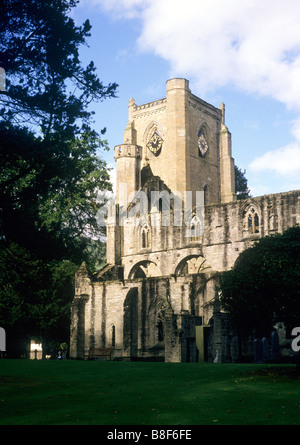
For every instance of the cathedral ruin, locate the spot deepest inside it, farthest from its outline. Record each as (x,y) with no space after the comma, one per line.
(175,226)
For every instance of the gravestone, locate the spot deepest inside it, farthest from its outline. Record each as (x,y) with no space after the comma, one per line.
(275,354)
(234,349)
(258,351)
(2,340)
(266,348)
(216,359)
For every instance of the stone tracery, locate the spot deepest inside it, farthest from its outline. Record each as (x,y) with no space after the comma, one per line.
(158,288)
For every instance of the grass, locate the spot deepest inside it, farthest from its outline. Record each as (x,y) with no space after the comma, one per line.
(134,393)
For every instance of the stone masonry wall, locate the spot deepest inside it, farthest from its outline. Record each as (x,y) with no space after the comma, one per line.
(106,313)
(226,234)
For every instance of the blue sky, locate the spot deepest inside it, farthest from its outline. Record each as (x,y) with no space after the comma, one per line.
(245,54)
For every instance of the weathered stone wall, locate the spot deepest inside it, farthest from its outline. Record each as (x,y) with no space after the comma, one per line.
(178,119)
(178,283)
(136,312)
(161,282)
(226,234)
(203,172)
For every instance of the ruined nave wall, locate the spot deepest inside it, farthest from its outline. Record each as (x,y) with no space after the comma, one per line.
(228,230)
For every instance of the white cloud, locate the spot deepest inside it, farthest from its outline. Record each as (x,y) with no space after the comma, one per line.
(296,129)
(252,45)
(283,161)
(113,176)
(120,8)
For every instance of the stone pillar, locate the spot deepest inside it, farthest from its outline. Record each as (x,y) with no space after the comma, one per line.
(258,351)
(227,174)
(74,328)
(113,236)
(77,334)
(128,159)
(217,331)
(275,354)
(177,124)
(172,337)
(2,340)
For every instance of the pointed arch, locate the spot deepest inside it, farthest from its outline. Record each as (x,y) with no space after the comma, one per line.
(144,269)
(203,137)
(196,228)
(251,217)
(145,236)
(153,139)
(191,264)
(130,322)
(151,128)
(113,335)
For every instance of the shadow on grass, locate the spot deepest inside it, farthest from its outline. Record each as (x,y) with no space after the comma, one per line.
(135,393)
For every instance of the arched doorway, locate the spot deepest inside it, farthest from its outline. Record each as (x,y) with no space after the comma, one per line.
(130,326)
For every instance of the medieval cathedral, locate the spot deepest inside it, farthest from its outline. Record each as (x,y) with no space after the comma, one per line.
(174,227)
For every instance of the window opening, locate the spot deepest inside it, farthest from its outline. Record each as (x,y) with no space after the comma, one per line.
(113,335)
(145,237)
(253,221)
(195,228)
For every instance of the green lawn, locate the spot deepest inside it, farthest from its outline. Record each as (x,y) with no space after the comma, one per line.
(135,393)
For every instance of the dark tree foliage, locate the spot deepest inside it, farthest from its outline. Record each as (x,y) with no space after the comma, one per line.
(49,192)
(263,288)
(50,170)
(35,297)
(241,184)
(47,86)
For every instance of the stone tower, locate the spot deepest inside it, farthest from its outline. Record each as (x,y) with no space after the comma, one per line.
(185,142)
(180,139)
(156,296)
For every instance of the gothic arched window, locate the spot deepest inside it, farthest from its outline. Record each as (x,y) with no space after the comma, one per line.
(253,221)
(160,327)
(205,194)
(202,139)
(145,236)
(113,335)
(195,228)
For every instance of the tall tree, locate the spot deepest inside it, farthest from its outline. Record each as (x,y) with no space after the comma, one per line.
(47,87)
(49,191)
(263,288)
(241,184)
(50,171)
(35,297)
